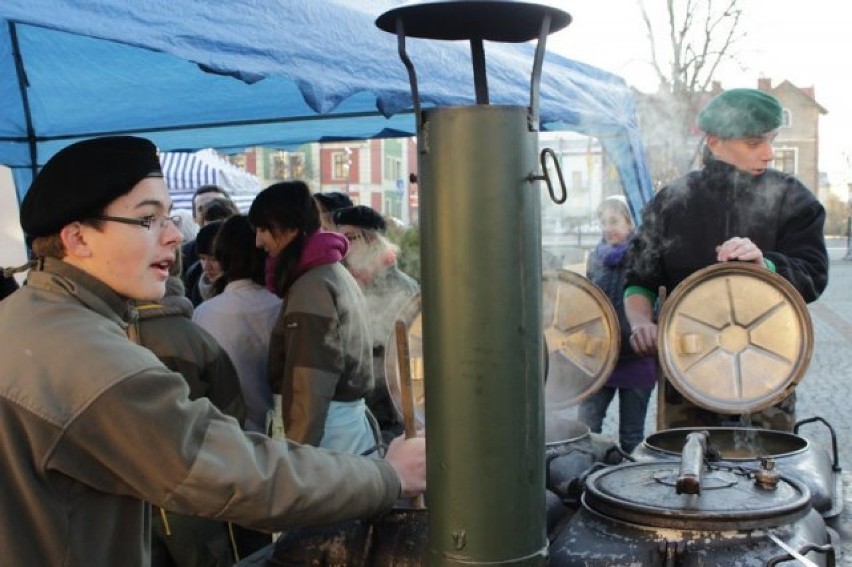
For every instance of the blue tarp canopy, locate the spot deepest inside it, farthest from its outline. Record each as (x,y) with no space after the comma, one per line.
(190,74)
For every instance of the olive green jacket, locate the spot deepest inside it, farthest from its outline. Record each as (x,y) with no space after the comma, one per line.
(93,426)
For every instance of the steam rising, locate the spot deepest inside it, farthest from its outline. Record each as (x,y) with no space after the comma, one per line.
(747,205)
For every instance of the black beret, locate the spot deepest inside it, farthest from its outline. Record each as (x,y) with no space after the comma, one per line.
(83,178)
(361,216)
(333,201)
(740,113)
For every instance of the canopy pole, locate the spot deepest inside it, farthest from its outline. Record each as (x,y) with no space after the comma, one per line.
(210,125)
(23,84)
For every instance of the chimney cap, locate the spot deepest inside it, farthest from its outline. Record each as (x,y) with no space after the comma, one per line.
(507,21)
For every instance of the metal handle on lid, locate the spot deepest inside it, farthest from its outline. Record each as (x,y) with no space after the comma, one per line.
(692,463)
(545,176)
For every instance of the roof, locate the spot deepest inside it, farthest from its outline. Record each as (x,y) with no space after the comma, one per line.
(277,73)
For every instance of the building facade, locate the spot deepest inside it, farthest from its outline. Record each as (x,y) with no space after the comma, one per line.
(673,141)
(797,144)
(376,173)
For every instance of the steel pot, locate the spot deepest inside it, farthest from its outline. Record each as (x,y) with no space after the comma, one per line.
(632,515)
(794,456)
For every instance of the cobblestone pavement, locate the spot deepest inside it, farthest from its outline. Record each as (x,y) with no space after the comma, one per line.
(824,391)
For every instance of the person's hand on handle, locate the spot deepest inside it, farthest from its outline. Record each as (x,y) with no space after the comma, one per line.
(742,249)
(408,458)
(643,330)
(643,339)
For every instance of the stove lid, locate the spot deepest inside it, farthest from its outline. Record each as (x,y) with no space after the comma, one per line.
(580,329)
(644,494)
(582,335)
(735,338)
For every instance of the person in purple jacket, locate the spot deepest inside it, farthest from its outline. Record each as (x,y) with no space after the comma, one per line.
(634,376)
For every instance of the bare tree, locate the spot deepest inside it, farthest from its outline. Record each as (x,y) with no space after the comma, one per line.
(687,49)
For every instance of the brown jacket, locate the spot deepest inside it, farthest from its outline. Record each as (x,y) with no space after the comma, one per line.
(321,350)
(93,426)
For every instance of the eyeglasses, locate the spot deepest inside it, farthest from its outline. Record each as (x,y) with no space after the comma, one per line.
(161,222)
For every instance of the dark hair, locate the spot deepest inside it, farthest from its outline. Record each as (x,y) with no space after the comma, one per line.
(218,209)
(333,200)
(281,206)
(237,254)
(207,189)
(206,236)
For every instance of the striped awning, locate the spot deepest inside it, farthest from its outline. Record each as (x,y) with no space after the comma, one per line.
(184,171)
(183,200)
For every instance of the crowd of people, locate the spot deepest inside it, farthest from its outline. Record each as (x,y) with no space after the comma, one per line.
(173,395)
(138,396)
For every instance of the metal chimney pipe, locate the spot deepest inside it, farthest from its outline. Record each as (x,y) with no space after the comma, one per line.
(480,223)
(482,322)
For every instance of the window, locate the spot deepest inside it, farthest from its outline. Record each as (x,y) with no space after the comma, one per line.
(280,166)
(238,160)
(785,160)
(786,118)
(393,168)
(340,165)
(297,166)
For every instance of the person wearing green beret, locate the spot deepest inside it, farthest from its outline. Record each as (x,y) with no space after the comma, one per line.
(95,429)
(735,208)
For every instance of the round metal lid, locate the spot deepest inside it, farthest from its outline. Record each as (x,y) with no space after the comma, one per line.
(644,494)
(582,336)
(734,338)
(580,331)
(494,20)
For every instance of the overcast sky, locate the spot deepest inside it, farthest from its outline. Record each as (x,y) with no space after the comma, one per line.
(808,43)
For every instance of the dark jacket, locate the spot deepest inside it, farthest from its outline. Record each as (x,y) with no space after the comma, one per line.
(7,286)
(611,281)
(166,328)
(686,221)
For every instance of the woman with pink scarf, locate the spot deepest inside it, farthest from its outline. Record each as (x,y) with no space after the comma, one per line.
(320,353)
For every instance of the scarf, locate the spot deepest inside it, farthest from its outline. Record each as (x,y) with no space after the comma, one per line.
(320,248)
(610,255)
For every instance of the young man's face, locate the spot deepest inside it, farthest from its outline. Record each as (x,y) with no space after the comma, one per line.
(133,260)
(752,154)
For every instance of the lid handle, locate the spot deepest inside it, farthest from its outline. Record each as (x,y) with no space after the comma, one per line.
(692,463)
